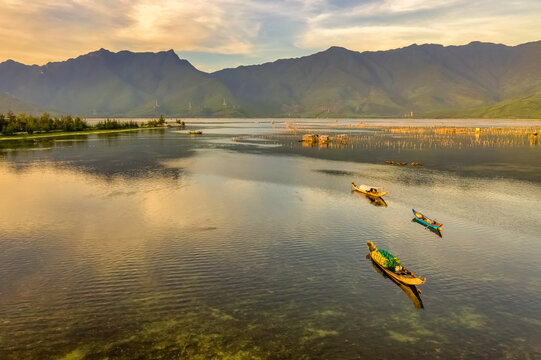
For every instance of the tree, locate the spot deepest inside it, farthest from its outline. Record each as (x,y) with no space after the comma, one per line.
(45,123)
(3,122)
(11,128)
(161,121)
(11,116)
(31,124)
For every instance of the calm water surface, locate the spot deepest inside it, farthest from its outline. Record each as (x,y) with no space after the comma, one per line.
(244,244)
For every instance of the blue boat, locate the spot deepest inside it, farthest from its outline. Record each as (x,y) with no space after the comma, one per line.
(434,230)
(426,221)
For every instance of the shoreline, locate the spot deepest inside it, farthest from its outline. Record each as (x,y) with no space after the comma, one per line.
(71,133)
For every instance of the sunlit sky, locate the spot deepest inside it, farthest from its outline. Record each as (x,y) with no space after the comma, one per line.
(227,33)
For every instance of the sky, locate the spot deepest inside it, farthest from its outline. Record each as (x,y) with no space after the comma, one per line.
(227,33)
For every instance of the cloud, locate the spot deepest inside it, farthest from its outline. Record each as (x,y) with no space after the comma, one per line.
(259,30)
(386,24)
(46,30)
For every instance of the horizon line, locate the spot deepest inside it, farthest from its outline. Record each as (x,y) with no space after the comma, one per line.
(267,62)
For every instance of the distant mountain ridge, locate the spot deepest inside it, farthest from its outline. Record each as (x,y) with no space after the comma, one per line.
(474,80)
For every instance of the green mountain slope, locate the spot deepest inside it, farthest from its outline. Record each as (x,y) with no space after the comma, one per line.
(525,108)
(478,79)
(103,83)
(419,79)
(9,103)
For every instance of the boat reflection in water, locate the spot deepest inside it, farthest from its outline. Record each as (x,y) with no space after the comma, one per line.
(434,230)
(413,293)
(374,200)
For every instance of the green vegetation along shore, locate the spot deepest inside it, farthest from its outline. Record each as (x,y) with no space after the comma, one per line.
(28,126)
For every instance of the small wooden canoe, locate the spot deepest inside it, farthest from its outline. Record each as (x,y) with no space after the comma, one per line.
(404,276)
(374,200)
(195,132)
(426,221)
(369,190)
(432,229)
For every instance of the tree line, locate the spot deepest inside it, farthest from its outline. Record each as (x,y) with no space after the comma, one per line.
(11,124)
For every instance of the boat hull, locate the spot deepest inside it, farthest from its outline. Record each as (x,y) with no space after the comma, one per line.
(435,230)
(380,194)
(411,291)
(426,221)
(374,200)
(408,279)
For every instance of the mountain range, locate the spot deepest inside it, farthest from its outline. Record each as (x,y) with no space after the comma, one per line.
(475,80)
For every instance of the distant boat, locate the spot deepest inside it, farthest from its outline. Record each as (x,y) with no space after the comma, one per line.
(426,221)
(385,260)
(323,139)
(309,138)
(369,190)
(195,132)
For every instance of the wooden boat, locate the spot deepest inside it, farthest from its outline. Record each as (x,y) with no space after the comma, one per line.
(374,200)
(309,138)
(426,221)
(411,291)
(434,230)
(403,275)
(369,190)
(323,139)
(195,132)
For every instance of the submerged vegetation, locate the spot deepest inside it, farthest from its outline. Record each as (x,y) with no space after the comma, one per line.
(22,124)
(411,137)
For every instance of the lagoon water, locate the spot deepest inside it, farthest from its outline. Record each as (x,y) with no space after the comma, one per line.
(244,244)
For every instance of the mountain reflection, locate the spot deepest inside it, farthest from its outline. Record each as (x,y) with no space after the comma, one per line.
(129,155)
(135,154)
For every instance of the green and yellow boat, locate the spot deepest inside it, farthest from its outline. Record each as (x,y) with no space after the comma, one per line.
(392,267)
(411,291)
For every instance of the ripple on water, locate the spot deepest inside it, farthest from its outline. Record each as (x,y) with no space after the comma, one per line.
(262,260)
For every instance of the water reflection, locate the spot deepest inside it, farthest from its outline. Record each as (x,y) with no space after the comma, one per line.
(130,154)
(374,200)
(157,245)
(500,151)
(413,293)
